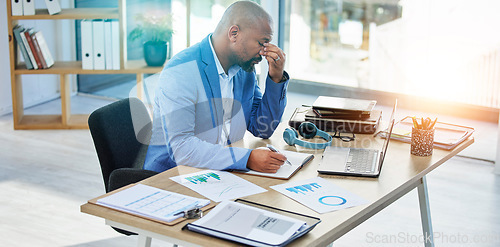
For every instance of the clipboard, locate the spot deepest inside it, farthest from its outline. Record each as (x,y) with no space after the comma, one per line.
(171,223)
(310,221)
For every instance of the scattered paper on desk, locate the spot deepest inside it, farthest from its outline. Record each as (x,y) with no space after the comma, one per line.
(152,202)
(218,185)
(319,195)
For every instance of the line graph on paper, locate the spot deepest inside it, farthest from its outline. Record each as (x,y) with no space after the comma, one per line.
(218,185)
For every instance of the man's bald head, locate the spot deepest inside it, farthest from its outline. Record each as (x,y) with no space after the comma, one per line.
(244,14)
(241,34)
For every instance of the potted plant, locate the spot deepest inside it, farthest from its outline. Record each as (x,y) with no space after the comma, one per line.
(155,29)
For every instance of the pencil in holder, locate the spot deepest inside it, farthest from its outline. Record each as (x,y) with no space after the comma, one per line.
(422,141)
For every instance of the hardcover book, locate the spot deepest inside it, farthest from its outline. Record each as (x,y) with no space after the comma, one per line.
(367,126)
(20,44)
(31,45)
(49,60)
(336,104)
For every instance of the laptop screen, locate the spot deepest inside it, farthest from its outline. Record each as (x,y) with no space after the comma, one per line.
(389,132)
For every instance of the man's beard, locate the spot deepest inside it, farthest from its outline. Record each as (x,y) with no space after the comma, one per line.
(248,66)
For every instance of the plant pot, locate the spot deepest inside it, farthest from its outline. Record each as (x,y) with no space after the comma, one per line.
(155,53)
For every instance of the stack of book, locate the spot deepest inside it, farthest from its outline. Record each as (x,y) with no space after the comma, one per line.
(339,114)
(33,48)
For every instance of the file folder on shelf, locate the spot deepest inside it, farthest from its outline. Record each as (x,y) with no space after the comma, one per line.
(108,45)
(87,46)
(115,36)
(28,7)
(53,6)
(98,44)
(17,7)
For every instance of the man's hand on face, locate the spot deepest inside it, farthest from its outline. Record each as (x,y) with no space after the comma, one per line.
(276,59)
(263,160)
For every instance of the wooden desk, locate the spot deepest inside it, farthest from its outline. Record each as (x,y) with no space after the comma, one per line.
(400,174)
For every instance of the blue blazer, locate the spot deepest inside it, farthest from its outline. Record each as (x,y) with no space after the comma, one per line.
(187,113)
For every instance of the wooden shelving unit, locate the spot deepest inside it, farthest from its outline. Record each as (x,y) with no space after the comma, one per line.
(66,120)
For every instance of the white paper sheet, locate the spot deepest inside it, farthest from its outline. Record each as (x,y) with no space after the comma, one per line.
(218,185)
(319,195)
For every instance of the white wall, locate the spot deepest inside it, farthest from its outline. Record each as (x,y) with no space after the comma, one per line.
(37,88)
(5,92)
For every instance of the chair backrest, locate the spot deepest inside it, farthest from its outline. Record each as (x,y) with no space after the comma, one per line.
(121,133)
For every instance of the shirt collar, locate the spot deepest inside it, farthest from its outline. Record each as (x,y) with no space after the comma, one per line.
(232,71)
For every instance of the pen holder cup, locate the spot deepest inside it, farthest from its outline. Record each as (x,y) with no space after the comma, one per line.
(422,141)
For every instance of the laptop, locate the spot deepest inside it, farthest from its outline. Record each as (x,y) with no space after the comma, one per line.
(360,162)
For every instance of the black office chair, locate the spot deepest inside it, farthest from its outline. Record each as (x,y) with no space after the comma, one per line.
(121,133)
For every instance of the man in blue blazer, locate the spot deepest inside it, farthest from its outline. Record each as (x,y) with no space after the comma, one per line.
(208,96)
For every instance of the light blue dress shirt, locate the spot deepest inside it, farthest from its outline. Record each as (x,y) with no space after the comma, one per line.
(188,113)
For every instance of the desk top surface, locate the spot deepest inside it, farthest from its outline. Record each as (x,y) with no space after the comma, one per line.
(401,172)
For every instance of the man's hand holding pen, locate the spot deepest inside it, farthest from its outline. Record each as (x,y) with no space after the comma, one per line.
(266,160)
(272,148)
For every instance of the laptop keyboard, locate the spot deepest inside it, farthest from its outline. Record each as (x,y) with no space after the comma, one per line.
(361,160)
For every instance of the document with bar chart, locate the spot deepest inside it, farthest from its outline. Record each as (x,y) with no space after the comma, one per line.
(218,185)
(319,195)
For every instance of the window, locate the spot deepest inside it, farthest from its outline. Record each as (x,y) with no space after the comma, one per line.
(443,49)
(329,39)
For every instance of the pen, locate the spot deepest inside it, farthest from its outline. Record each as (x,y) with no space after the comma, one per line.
(433,123)
(426,124)
(415,124)
(272,148)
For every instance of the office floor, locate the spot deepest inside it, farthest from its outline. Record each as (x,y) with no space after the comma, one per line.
(47,174)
